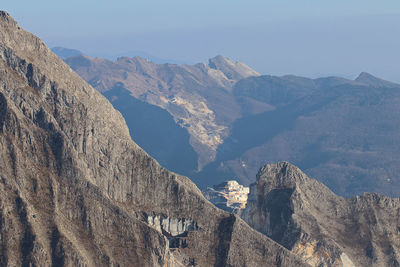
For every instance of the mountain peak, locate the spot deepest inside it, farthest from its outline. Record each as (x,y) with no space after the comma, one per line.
(219,62)
(281,175)
(365,76)
(303,215)
(4,16)
(219,59)
(67,153)
(232,70)
(370,80)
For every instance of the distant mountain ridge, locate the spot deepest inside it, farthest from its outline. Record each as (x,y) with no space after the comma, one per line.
(339,130)
(370,80)
(342,131)
(232,70)
(65,52)
(197,96)
(75,190)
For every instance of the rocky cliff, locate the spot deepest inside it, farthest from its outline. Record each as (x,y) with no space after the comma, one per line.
(345,132)
(324,229)
(197,96)
(76,190)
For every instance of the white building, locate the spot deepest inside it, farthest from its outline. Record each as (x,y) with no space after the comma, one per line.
(229,196)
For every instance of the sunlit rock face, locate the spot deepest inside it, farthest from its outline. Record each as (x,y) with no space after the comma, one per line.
(324,229)
(229,196)
(198,97)
(344,132)
(75,190)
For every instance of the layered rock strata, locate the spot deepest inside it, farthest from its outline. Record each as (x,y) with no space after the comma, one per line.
(324,229)
(75,190)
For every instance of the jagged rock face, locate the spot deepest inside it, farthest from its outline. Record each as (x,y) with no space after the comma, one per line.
(76,190)
(345,132)
(198,97)
(324,229)
(232,70)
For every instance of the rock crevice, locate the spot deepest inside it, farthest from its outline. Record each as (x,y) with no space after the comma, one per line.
(304,216)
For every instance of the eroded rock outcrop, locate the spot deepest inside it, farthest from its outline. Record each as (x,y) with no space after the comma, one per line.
(75,190)
(324,229)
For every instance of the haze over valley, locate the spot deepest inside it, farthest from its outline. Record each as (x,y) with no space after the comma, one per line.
(200,133)
(342,131)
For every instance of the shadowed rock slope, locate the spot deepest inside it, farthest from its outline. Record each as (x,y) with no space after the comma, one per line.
(324,229)
(76,190)
(344,132)
(197,96)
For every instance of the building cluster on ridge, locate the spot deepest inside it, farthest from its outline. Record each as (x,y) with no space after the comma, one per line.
(228,195)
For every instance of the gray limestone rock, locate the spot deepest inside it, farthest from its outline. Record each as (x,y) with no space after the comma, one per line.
(324,229)
(198,97)
(75,190)
(232,70)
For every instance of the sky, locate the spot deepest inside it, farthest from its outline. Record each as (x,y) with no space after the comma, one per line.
(307,38)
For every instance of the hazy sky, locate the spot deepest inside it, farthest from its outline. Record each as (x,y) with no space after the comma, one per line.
(308,37)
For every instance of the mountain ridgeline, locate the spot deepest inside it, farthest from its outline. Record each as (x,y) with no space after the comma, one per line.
(75,190)
(324,229)
(65,52)
(184,91)
(345,132)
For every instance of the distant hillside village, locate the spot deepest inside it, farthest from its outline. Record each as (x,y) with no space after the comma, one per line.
(228,195)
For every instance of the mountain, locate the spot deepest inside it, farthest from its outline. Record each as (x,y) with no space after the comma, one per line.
(232,70)
(75,190)
(155,129)
(342,131)
(198,97)
(324,229)
(65,52)
(145,55)
(370,80)
(345,132)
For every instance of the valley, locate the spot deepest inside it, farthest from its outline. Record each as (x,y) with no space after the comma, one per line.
(335,129)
